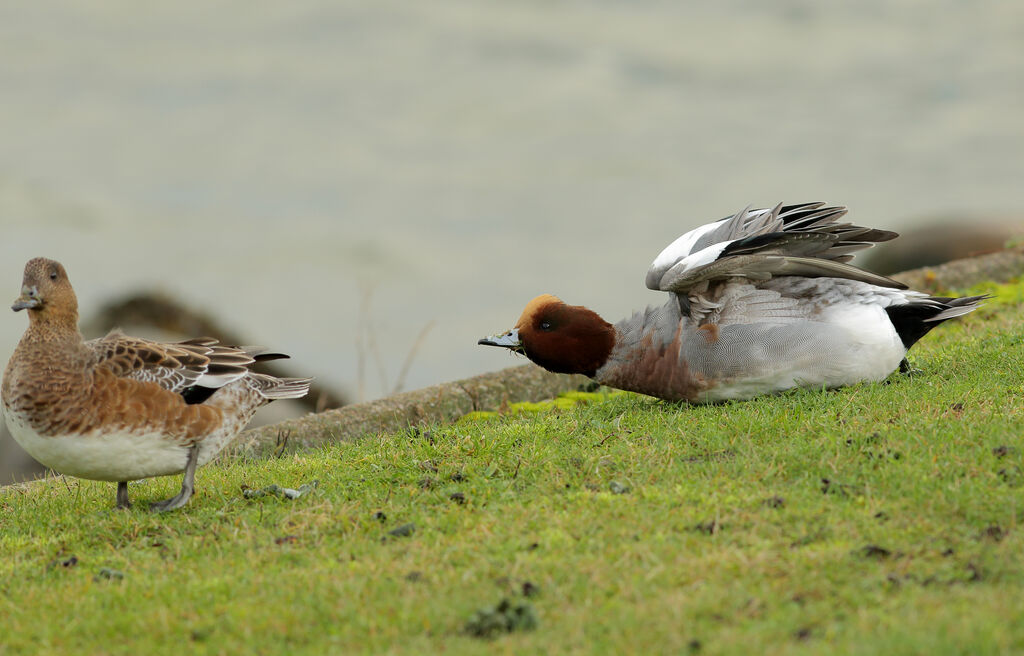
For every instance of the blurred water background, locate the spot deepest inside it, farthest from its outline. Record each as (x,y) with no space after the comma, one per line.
(275,164)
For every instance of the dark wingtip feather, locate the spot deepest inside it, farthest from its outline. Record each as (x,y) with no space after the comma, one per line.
(267,357)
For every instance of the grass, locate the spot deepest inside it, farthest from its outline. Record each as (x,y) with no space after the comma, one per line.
(880,518)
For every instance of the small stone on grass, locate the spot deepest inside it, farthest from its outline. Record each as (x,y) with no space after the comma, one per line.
(277,490)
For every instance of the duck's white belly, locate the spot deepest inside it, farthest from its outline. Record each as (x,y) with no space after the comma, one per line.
(113,456)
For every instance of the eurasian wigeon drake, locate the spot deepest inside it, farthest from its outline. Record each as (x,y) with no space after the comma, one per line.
(759,302)
(121,408)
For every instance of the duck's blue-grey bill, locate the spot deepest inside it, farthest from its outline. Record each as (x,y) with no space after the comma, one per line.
(25,304)
(508,340)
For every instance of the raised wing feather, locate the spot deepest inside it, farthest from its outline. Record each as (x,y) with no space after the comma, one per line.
(793,240)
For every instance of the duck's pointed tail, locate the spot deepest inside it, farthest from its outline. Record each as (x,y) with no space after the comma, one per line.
(913,320)
(272,388)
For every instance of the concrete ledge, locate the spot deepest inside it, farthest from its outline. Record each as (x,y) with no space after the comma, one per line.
(444,402)
(1001,266)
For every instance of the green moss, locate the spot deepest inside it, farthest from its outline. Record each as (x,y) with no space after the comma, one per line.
(1003,295)
(562,402)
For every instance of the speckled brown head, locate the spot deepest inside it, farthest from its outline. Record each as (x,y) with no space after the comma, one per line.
(46,293)
(566,339)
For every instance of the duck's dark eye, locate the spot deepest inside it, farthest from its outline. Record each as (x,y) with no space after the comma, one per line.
(545,325)
(53,275)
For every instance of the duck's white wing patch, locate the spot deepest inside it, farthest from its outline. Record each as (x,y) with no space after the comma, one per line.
(717,234)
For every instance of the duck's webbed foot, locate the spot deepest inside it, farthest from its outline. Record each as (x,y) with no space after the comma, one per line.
(906,368)
(187,485)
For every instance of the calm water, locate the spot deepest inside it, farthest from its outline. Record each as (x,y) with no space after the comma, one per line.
(268,161)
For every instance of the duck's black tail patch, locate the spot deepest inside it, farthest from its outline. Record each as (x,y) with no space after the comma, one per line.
(913,320)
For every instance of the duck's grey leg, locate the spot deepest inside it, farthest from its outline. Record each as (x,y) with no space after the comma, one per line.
(906,368)
(122,496)
(187,484)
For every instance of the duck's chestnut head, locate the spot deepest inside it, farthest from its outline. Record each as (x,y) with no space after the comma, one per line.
(566,339)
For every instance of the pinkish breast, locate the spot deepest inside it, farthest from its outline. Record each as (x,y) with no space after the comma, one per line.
(656,370)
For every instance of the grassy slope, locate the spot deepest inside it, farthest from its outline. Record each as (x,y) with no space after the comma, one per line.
(729,540)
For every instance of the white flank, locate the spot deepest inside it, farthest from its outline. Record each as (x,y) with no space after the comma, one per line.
(849,344)
(111,456)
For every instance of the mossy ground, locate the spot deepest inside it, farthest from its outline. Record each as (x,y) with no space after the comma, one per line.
(880,518)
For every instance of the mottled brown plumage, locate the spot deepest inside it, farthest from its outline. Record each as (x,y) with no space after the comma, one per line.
(83,392)
(658,370)
(121,408)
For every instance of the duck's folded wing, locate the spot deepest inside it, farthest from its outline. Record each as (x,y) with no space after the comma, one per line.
(176,367)
(795,240)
